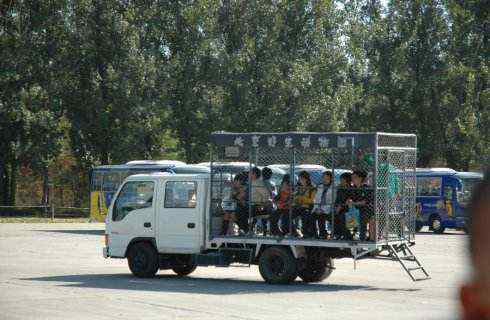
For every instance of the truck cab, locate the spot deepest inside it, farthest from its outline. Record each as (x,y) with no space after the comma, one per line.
(157,212)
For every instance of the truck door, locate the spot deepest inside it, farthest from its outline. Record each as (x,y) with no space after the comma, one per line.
(180,217)
(132,215)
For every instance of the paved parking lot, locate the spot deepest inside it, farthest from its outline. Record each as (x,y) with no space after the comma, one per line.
(55,271)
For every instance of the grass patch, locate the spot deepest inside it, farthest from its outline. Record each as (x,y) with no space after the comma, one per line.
(42,220)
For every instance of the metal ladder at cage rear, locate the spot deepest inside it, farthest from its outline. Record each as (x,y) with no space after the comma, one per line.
(403,255)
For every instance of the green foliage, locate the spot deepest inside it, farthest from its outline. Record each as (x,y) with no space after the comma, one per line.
(108,82)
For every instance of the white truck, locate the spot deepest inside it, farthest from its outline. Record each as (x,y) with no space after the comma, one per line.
(169,221)
(159,220)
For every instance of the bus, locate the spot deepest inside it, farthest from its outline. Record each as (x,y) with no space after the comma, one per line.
(442,197)
(105,180)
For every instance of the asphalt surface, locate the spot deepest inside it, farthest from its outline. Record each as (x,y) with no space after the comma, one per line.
(56,271)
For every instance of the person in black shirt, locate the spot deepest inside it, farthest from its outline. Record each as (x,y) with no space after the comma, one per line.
(361,196)
(343,193)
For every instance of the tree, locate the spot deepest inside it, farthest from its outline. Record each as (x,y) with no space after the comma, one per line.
(29,108)
(468,91)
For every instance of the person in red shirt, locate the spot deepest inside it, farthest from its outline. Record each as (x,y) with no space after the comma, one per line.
(283,202)
(475,295)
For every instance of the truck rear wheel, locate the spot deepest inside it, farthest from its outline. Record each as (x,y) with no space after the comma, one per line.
(143,260)
(318,267)
(278,266)
(184,265)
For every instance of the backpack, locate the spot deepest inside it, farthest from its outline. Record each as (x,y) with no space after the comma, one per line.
(352,217)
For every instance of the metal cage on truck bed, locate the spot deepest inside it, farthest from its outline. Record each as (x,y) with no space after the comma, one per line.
(388,161)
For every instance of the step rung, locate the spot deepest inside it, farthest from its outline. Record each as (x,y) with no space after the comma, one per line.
(408,258)
(422,279)
(403,253)
(413,269)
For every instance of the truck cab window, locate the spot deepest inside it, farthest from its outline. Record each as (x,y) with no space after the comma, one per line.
(180,194)
(134,195)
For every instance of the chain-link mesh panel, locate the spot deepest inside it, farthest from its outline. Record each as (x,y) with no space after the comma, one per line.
(390,194)
(354,194)
(375,201)
(410,191)
(226,163)
(396,189)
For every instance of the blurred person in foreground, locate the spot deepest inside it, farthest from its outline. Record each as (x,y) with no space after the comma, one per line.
(475,295)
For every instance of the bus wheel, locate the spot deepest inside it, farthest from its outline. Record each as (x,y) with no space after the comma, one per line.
(278,266)
(436,225)
(318,267)
(418,226)
(143,260)
(184,265)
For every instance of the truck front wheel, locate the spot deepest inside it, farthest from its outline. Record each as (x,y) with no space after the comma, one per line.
(278,266)
(184,265)
(143,260)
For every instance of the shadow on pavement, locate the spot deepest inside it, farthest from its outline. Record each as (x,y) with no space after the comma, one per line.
(79,231)
(173,283)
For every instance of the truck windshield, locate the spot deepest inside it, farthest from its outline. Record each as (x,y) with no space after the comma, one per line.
(464,196)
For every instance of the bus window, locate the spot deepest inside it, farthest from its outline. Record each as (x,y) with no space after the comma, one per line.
(448,193)
(96,180)
(125,174)
(464,196)
(111,181)
(428,186)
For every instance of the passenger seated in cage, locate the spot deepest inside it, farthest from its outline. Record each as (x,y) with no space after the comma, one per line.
(270,185)
(304,199)
(270,207)
(343,193)
(361,197)
(261,198)
(322,208)
(239,197)
(283,205)
(260,195)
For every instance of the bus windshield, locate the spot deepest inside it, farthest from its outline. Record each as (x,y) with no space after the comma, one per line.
(464,196)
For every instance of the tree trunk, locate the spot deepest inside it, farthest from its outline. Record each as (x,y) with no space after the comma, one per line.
(6,186)
(13,183)
(45,199)
(77,195)
(3,181)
